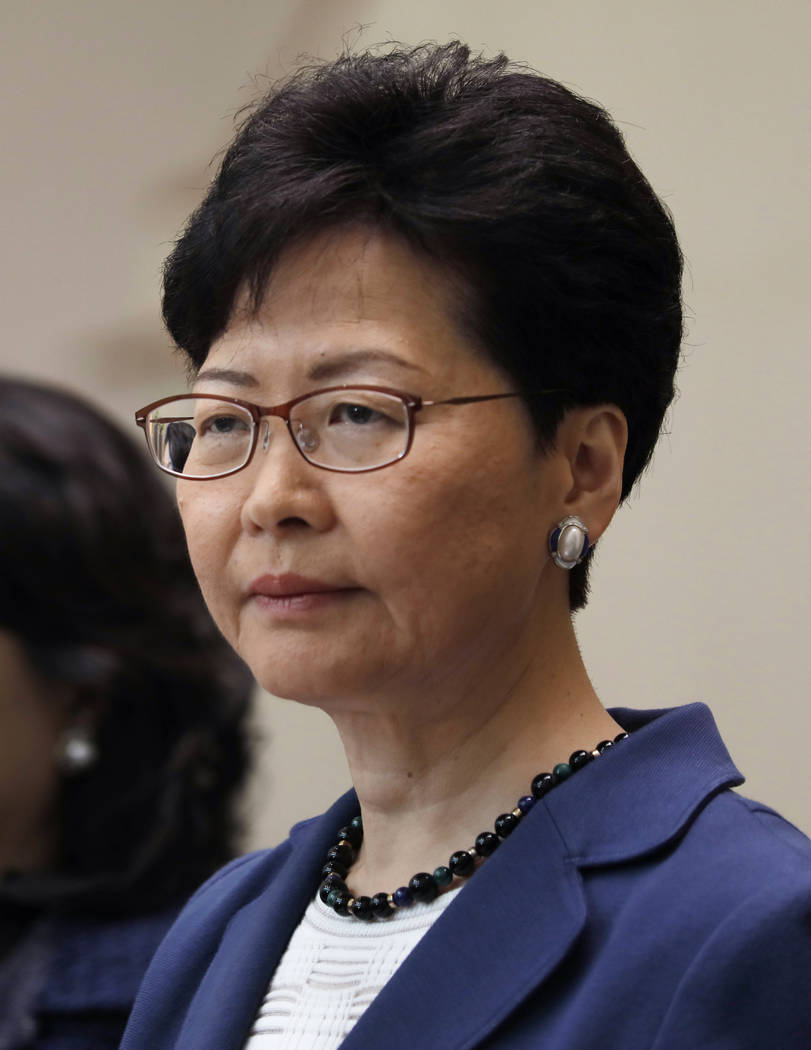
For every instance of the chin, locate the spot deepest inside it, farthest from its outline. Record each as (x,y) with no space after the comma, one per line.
(327,683)
(284,689)
(294,676)
(317,668)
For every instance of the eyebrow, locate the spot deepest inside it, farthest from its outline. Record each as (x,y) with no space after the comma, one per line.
(355,361)
(331,368)
(227,375)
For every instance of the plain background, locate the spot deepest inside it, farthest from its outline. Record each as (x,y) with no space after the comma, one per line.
(112,114)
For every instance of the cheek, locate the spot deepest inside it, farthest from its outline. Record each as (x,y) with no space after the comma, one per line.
(459,539)
(209,524)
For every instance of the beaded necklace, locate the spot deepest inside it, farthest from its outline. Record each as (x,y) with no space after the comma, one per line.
(423,886)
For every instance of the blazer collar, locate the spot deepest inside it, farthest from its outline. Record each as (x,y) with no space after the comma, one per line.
(512,924)
(644,792)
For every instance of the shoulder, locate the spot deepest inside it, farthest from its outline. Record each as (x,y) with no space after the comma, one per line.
(772,830)
(727,906)
(233,924)
(730,860)
(180,962)
(754,869)
(698,899)
(746,845)
(747,980)
(210,909)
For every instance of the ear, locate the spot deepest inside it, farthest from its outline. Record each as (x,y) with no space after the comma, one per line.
(593,439)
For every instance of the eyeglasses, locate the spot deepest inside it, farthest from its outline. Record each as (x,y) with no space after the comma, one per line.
(348,429)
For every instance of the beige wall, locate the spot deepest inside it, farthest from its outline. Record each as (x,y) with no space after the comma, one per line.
(111,112)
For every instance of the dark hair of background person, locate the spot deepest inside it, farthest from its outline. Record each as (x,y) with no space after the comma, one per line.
(565,263)
(95,582)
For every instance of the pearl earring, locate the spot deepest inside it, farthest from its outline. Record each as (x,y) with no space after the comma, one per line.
(569,542)
(77,751)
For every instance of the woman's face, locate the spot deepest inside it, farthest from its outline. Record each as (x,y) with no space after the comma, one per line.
(336,587)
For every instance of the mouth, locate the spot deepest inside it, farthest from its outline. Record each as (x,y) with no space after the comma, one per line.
(292,593)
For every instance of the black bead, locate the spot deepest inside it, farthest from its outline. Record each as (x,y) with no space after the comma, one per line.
(620,737)
(487,843)
(361,908)
(334,867)
(578,759)
(506,824)
(381,907)
(604,745)
(340,902)
(403,897)
(542,784)
(331,882)
(461,863)
(352,835)
(343,853)
(423,887)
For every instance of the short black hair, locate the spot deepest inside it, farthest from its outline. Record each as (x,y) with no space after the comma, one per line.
(569,261)
(96,584)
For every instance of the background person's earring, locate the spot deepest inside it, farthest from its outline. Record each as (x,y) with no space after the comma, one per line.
(76,751)
(569,542)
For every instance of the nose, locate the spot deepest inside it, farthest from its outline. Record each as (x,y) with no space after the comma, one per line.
(286,493)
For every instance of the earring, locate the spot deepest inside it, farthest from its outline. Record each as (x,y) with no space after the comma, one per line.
(77,751)
(569,542)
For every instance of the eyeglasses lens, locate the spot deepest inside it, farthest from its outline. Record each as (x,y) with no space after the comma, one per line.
(200,437)
(350,430)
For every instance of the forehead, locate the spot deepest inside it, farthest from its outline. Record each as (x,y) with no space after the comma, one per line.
(357,274)
(354,290)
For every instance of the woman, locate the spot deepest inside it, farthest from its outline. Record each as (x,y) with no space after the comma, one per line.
(122,723)
(446,278)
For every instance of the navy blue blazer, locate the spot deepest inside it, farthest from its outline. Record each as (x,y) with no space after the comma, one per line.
(642,905)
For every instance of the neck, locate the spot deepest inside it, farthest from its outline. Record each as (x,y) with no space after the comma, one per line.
(434,771)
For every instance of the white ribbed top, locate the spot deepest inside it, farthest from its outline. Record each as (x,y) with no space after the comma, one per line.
(332,969)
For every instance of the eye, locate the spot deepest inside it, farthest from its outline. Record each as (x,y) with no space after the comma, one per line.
(350,413)
(357,414)
(223,424)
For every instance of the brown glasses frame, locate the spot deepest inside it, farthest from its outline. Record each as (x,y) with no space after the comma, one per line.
(413,404)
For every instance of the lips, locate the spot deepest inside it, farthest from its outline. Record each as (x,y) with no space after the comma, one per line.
(291,585)
(294,599)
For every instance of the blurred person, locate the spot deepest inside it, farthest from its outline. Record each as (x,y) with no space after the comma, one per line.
(433,310)
(123,738)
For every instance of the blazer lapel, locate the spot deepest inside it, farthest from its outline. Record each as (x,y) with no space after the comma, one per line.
(229,996)
(506,932)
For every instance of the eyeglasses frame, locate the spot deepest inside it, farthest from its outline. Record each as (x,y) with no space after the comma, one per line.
(412,402)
